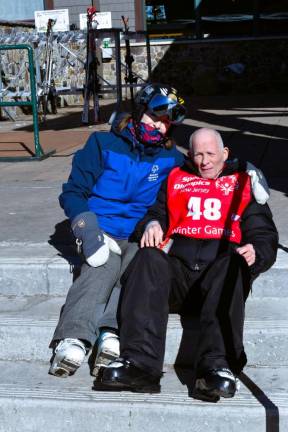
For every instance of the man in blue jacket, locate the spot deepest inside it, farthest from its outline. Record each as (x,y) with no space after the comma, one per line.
(114,179)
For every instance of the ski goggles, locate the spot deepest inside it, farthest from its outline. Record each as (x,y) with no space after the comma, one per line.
(162,106)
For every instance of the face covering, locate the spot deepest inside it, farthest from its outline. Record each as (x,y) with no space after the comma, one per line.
(146,134)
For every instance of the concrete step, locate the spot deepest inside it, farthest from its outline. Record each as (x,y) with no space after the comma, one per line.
(27,325)
(28,269)
(31,400)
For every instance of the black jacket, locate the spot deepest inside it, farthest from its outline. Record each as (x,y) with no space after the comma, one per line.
(257,228)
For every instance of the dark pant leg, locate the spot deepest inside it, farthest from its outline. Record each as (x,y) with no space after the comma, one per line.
(225,286)
(145,307)
(109,318)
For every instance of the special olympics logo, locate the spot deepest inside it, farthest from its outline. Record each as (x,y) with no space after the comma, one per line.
(155,168)
(154,174)
(227,184)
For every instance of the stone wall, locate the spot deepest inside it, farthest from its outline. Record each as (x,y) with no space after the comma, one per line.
(194,67)
(205,67)
(201,68)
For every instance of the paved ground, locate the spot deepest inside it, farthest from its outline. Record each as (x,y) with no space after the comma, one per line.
(255,128)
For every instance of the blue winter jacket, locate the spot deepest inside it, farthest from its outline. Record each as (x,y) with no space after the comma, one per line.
(117,178)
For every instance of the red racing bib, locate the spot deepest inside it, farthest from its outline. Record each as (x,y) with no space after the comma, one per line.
(207,208)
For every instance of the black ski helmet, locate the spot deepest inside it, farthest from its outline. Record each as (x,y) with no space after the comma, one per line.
(162,100)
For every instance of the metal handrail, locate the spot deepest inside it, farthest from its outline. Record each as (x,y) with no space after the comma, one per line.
(39,153)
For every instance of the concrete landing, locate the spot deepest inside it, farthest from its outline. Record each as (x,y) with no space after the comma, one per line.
(33,401)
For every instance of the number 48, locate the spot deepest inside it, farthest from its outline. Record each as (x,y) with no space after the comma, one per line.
(211,210)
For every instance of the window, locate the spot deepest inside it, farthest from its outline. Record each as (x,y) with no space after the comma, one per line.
(212,18)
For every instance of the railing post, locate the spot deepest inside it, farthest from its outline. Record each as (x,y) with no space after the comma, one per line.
(38,149)
(197,18)
(256,17)
(118,68)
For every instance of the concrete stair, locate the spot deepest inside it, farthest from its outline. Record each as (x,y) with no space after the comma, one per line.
(31,400)
(27,325)
(32,290)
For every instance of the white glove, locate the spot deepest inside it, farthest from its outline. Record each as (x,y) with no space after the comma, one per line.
(259,185)
(112,244)
(100,257)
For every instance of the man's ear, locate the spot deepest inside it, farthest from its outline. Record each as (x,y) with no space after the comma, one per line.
(225,153)
(190,154)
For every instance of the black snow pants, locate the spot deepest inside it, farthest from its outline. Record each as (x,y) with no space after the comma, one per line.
(154,280)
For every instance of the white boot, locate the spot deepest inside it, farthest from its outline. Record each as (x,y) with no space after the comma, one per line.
(68,357)
(107,351)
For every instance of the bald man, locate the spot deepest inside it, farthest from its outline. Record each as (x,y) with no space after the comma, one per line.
(203,242)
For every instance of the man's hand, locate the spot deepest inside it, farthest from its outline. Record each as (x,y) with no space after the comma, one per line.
(248,253)
(152,236)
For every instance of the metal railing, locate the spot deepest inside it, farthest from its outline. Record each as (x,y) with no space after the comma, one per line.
(39,153)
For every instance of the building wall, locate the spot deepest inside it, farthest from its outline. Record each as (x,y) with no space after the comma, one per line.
(118,8)
(24,10)
(19,10)
(75,7)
